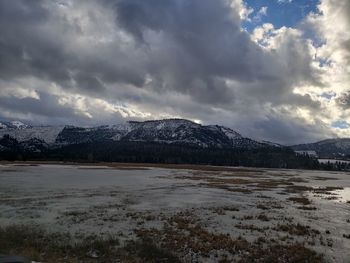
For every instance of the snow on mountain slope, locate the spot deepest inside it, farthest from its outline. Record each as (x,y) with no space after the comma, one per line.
(161,130)
(46,133)
(188,132)
(3,126)
(19,125)
(272,143)
(168,131)
(231,134)
(13,125)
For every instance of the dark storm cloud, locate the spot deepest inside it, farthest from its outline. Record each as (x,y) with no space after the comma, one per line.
(290,131)
(46,109)
(207,32)
(34,41)
(202,42)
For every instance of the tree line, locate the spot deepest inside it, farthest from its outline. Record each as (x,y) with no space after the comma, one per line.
(153,152)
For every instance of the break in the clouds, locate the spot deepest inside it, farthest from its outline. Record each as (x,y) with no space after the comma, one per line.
(230,62)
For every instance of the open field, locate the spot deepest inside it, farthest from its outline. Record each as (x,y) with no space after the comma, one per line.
(142,213)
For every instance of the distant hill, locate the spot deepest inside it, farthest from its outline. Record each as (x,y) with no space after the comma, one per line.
(330,148)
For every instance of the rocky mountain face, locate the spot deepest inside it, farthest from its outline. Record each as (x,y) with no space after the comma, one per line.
(331,148)
(169,131)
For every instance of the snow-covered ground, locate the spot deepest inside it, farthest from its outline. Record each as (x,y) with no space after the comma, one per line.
(270,206)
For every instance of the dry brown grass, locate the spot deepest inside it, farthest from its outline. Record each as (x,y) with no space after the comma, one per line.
(183,233)
(300,200)
(251,227)
(142,165)
(263,217)
(298,188)
(38,245)
(297,229)
(221,210)
(321,178)
(308,208)
(326,190)
(295,253)
(263,207)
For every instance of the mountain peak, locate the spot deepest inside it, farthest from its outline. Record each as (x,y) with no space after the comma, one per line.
(19,125)
(13,125)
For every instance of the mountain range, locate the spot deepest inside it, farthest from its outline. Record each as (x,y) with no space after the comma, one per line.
(167,131)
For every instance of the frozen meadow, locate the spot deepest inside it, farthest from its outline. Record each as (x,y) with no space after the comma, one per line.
(199,214)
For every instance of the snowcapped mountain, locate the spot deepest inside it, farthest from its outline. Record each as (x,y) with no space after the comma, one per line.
(169,131)
(330,148)
(178,131)
(13,125)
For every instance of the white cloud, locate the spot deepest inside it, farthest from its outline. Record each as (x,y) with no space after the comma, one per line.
(243,10)
(259,15)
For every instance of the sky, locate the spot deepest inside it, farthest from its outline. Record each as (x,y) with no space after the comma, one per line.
(276,70)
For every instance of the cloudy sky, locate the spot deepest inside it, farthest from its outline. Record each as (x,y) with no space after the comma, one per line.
(271,69)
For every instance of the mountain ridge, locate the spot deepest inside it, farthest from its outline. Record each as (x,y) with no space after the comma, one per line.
(169,131)
(328,148)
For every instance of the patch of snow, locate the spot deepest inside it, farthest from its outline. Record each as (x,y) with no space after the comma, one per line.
(230,133)
(160,126)
(3,126)
(19,125)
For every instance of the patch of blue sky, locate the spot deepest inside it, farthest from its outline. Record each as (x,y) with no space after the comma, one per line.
(328,95)
(280,13)
(341,124)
